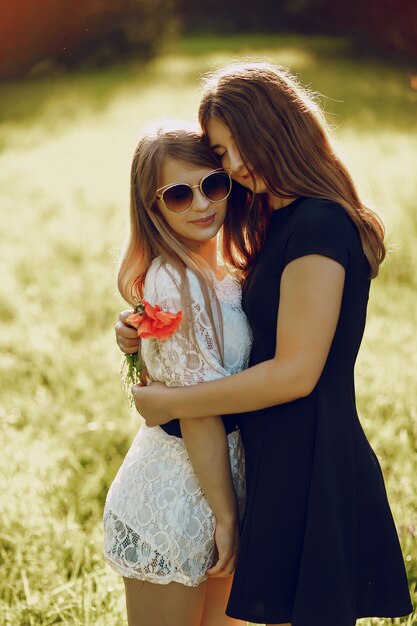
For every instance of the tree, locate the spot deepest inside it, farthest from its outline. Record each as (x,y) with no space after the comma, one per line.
(69,31)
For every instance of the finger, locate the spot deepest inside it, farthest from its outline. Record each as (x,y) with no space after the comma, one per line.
(127,345)
(127,350)
(227,570)
(144,377)
(230,567)
(220,574)
(219,567)
(124,314)
(128,332)
(122,321)
(128,342)
(135,388)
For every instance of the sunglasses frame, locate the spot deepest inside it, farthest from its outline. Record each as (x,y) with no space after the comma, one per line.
(160,195)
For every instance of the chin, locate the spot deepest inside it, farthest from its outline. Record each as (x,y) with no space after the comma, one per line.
(260,186)
(256,186)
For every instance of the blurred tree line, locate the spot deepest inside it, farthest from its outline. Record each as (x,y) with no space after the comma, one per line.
(36,35)
(43,33)
(381,26)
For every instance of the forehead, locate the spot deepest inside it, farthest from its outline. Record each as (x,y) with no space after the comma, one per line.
(218,133)
(176,171)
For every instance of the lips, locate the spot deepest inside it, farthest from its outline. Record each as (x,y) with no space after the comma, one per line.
(247,176)
(204,221)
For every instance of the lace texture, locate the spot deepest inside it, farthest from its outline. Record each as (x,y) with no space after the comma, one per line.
(158,525)
(176,362)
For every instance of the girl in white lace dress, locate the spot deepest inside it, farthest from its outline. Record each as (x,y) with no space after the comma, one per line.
(169,520)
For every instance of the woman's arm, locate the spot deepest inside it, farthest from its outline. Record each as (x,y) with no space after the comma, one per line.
(173,360)
(310,298)
(207,447)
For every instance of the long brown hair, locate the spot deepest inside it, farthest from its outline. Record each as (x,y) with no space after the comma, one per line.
(281,131)
(150,236)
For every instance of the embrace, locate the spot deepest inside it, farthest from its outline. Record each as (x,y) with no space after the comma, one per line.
(250,493)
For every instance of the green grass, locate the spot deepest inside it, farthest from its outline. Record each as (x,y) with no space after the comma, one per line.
(66,144)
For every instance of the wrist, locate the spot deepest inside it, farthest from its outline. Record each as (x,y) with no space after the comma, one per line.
(170,408)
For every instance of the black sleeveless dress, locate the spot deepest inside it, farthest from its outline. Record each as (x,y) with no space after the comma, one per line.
(319,546)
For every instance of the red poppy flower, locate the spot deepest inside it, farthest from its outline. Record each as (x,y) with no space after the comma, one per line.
(152,322)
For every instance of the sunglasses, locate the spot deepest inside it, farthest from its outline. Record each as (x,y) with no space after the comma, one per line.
(178,197)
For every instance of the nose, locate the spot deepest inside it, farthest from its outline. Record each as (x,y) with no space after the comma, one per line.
(200,202)
(235,161)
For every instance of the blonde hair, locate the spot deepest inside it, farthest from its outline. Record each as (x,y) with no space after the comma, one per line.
(150,236)
(281,131)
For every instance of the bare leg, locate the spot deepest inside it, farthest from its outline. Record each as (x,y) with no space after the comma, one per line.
(149,604)
(217,595)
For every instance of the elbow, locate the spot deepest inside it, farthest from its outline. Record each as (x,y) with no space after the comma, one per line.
(302,387)
(306,387)
(301,380)
(307,380)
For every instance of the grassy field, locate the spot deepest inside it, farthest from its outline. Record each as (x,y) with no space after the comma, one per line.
(66,144)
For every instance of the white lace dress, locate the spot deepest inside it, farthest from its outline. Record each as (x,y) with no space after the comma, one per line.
(158,525)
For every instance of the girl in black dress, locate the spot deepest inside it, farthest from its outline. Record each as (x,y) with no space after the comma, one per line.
(318,545)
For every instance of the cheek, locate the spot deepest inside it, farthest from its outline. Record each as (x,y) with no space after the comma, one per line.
(172,220)
(221,211)
(177,224)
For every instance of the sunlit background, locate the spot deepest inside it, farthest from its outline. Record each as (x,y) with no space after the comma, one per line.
(79,79)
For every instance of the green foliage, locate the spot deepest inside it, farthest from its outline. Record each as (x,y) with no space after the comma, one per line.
(73,33)
(378,26)
(65,423)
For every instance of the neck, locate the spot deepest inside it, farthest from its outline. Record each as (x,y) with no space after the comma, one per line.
(207,250)
(276,202)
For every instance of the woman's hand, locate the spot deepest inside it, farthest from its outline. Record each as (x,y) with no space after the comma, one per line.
(152,401)
(126,336)
(226,538)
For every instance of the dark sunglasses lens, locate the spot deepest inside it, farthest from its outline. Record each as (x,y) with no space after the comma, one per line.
(178,198)
(216,187)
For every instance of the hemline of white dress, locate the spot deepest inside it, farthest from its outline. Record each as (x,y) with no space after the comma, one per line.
(158,525)
(157,580)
